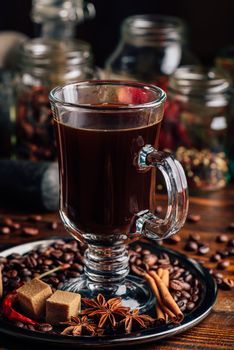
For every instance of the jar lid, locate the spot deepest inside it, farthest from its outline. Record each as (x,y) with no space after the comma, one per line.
(46,53)
(64,10)
(195,80)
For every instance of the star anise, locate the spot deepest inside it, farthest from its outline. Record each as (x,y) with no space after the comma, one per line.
(108,312)
(80,326)
(133,319)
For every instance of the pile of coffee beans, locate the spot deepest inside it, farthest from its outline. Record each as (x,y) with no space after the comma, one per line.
(17,268)
(222,256)
(184,287)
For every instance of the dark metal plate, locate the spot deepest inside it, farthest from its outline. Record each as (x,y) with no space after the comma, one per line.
(208,297)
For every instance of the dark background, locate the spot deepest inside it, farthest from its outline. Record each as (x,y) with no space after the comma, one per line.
(210,22)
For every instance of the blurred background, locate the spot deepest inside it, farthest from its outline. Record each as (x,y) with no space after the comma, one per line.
(185,47)
(210,23)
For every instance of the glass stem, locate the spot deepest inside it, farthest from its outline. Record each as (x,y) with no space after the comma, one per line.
(106,266)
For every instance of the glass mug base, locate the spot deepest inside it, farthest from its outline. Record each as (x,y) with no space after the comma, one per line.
(133,291)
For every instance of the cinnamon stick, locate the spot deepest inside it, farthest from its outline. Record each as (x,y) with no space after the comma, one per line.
(161,316)
(164,275)
(166,297)
(160,272)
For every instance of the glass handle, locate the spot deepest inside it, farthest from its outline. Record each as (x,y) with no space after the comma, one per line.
(147,223)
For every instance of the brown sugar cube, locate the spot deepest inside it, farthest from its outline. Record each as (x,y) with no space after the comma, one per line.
(61,306)
(32,298)
(1,284)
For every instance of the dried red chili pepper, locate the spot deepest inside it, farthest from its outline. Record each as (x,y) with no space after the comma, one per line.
(11,314)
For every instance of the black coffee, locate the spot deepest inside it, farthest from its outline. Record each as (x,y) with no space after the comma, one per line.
(101,188)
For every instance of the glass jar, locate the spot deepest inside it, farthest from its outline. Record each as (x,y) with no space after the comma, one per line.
(195,125)
(6,113)
(44,64)
(150,49)
(225,61)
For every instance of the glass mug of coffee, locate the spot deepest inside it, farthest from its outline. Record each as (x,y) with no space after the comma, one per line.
(107,137)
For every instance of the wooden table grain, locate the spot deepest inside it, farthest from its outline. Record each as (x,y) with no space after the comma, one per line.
(217,211)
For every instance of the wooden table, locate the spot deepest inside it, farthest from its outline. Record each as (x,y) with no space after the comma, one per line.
(217,330)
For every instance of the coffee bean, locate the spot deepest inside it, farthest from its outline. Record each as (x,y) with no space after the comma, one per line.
(228,283)
(181,305)
(53,280)
(163,262)
(30,262)
(174,239)
(195,298)
(185,294)
(195,237)
(191,246)
(175,275)
(133,258)
(137,270)
(138,262)
(196,290)
(231,243)
(175,285)
(196,282)
(12,273)
(178,293)
(7,221)
(53,225)
(30,327)
(231,226)
(26,273)
(221,238)
(138,249)
(67,257)
(73,274)
(44,327)
(188,278)
(231,251)
(165,256)
(35,218)
(5,230)
(218,275)
(193,218)
(14,283)
(190,306)
(204,249)
(215,257)
(146,252)
(19,324)
(222,265)
(77,267)
(3,260)
(224,254)
(150,259)
(30,231)
(14,256)
(15,226)
(175,262)
(48,262)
